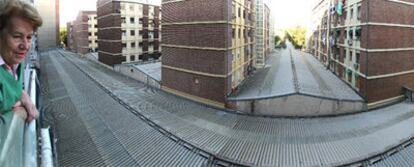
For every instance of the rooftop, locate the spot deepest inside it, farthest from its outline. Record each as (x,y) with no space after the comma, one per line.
(290,71)
(127,123)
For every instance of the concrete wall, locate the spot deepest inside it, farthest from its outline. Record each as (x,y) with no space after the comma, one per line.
(137,74)
(298,105)
(48,33)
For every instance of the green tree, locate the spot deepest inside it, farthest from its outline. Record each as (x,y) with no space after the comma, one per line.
(63,36)
(296,35)
(280,42)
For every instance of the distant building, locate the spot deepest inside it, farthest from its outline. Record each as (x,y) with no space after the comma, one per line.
(48,33)
(84,32)
(263,33)
(70,40)
(272,33)
(129,31)
(208,47)
(368,44)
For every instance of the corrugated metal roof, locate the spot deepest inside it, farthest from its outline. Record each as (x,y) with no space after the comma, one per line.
(168,129)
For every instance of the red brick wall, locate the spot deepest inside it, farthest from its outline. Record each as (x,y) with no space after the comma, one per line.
(195,10)
(114,47)
(211,35)
(197,60)
(380,89)
(207,87)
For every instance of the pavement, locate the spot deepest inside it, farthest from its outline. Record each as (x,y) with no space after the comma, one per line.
(290,71)
(128,123)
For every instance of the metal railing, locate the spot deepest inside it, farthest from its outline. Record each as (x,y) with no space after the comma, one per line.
(18,140)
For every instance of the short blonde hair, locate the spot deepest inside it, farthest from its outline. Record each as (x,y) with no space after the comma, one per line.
(18,8)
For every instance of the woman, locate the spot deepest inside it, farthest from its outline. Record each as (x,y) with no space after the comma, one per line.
(18,21)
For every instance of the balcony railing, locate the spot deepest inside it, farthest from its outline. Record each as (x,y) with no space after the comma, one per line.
(18,139)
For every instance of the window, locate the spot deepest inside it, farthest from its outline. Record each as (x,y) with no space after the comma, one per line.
(239,34)
(131,7)
(352,13)
(358,31)
(123,20)
(234,11)
(89,34)
(124,45)
(239,12)
(140,44)
(337,52)
(358,55)
(132,58)
(132,44)
(123,33)
(351,33)
(141,21)
(132,32)
(233,33)
(359,13)
(132,20)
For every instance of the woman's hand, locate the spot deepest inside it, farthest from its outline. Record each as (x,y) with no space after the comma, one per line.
(27,103)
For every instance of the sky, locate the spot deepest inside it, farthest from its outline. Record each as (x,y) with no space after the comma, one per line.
(287,13)
(69,9)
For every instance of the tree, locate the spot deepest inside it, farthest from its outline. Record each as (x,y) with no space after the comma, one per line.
(296,35)
(280,42)
(63,36)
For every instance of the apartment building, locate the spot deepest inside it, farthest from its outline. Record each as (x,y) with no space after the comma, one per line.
(369,44)
(84,32)
(129,31)
(70,42)
(263,33)
(272,33)
(48,33)
(208,47)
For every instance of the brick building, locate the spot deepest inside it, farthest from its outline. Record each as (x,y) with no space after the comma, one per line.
(84,33)
(129,31)
(370,45)
(208,47)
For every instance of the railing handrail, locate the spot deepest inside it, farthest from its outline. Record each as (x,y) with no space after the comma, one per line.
(18,140)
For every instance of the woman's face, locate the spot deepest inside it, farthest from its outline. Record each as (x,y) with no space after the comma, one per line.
(17,41)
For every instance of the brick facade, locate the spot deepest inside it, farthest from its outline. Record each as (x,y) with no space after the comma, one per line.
(129,31)
(83,33)
(207,47)
(374,47)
